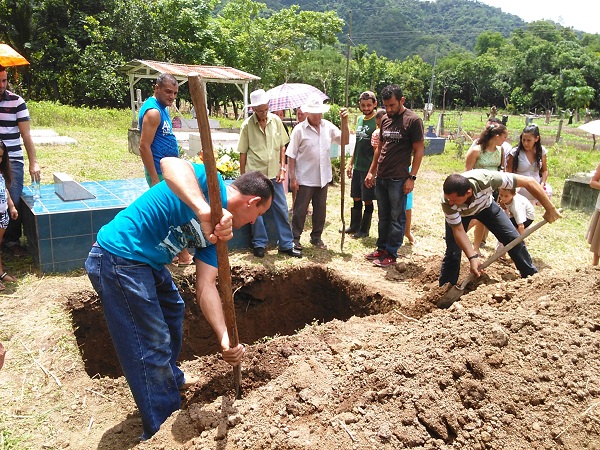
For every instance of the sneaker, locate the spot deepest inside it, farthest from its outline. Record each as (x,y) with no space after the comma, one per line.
(319,244)
(389,260)
(297,245)
(377,254)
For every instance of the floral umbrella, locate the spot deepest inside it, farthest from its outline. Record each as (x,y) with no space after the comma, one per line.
(291,95)
(9,57)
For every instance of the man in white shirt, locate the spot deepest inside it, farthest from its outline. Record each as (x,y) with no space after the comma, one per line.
(309,165)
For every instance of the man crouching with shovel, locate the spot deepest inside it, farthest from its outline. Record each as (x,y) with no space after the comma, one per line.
(469,196)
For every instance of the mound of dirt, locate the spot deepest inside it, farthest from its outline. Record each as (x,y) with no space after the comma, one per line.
(513,365)
(340,356)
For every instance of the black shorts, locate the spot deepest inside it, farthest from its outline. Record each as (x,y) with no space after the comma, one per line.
(358,188)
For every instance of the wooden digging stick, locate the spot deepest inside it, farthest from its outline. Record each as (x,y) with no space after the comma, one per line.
(216,209)
(343,146)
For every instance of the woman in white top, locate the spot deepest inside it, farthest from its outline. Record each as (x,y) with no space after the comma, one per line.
(529,159)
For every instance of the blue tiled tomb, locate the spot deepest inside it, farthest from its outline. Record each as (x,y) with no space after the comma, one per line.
(60,233)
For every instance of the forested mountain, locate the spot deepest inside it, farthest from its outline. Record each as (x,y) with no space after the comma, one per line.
(400,28)
(484,57)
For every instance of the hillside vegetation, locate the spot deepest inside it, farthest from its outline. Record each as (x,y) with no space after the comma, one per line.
(397,29)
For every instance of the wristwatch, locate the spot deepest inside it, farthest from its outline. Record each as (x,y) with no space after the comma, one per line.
(412,177)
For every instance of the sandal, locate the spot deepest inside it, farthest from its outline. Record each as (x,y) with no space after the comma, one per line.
(185,258)
(6,277)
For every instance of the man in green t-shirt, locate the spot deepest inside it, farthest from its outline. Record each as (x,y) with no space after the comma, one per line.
(359,165)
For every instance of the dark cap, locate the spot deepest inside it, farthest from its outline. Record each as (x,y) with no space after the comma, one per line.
(368,95)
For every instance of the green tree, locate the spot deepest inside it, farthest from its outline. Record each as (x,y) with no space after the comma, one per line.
(326,70)
(488,40)
(579,97)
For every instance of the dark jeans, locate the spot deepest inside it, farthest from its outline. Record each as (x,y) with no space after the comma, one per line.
(500,226)
(304,196)
(391,209)
(279,209)
(13,231)
(144,314)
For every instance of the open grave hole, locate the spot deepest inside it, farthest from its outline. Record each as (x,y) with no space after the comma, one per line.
(267,304)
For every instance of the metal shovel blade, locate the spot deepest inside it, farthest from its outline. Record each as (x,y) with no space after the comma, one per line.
(455,292)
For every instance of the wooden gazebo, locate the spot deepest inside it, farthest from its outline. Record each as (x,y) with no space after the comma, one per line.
(139,69)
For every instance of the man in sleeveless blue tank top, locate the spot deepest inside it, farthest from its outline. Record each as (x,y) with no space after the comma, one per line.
(157,140)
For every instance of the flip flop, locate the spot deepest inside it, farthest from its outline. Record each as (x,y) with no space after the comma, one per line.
(6,277)
(186,263)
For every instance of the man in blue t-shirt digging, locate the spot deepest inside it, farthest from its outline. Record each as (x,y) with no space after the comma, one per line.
(143,308)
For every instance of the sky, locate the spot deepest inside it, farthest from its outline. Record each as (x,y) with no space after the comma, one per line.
(582,15)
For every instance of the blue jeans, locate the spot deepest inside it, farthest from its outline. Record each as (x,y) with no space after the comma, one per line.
(279,210)
(500,226)
(13,231)
(391,209)
(144,314)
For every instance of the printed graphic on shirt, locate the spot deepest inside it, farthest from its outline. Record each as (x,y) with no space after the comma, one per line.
(3,197)
(391,135)
(362,132)
(185,236)
(166,128)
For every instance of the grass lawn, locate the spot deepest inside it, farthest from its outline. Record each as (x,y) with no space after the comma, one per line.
(101,153)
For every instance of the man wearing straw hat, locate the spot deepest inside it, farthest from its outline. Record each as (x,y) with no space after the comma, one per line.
(310,166)
(262,148)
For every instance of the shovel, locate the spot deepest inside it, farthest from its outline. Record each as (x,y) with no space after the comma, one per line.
(456,291)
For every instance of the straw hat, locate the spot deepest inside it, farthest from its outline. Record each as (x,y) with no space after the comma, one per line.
(314,105)
(259,97)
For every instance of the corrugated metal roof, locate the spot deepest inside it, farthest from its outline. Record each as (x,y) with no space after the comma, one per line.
(141,68)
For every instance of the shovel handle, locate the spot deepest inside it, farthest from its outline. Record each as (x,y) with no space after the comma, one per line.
(513,243)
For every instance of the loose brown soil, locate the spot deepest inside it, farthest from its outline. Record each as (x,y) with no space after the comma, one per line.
(340,355)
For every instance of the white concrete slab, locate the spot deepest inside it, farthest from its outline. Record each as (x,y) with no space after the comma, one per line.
(49,137)
(190,141)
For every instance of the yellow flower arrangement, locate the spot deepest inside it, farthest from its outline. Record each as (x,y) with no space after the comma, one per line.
(227,159)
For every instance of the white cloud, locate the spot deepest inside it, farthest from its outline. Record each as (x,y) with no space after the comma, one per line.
(581,15)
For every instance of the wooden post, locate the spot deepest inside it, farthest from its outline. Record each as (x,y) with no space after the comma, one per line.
(343,145)
(560,124)
(216,209)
